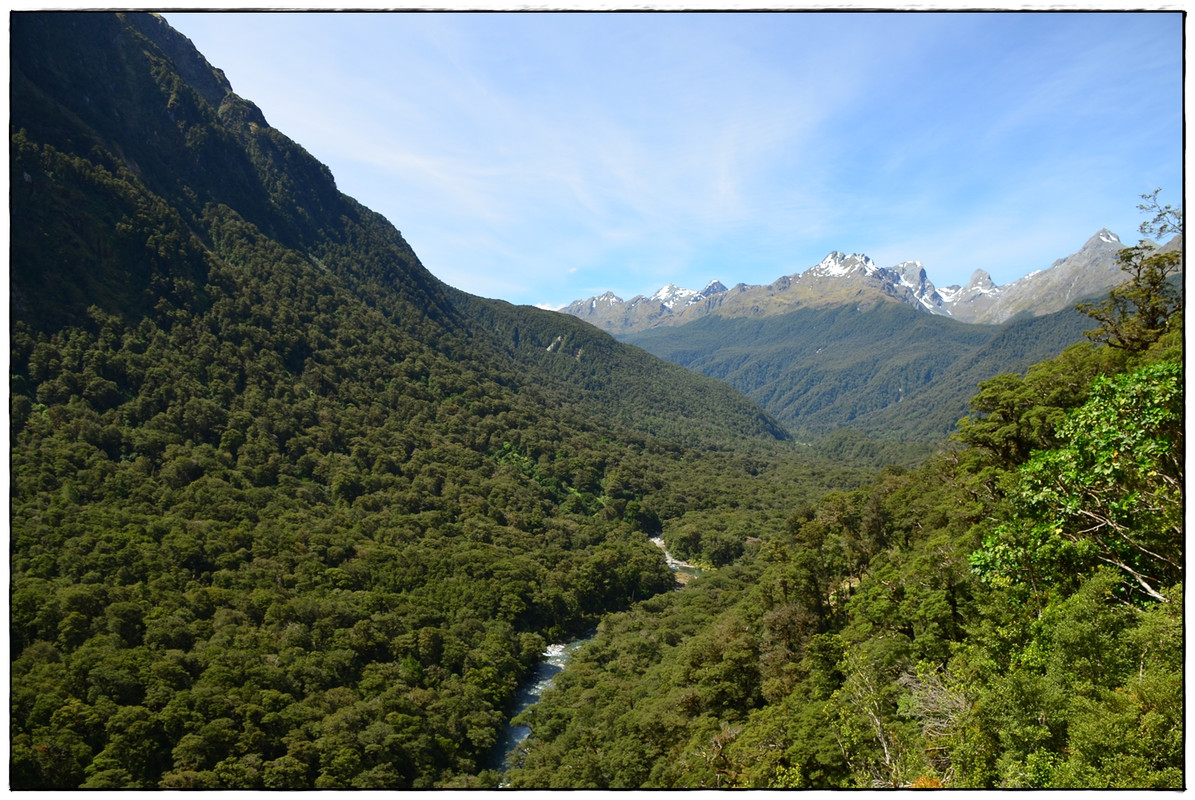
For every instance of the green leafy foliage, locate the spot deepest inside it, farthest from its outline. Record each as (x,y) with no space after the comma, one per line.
(992,618)
(1113,493)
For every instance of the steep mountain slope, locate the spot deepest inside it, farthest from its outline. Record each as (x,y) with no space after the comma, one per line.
(887,369)
(931,411)
(1088,273)
(287,511)
(841,279)
(206,154)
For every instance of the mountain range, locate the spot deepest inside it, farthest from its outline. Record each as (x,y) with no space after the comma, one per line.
(849,345)
(841,279)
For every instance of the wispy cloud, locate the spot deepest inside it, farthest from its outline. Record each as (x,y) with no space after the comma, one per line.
(562,152)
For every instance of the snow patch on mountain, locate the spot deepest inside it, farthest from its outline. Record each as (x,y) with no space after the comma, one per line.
(671,295)
(609,298)
(981,284)
(912,276)
(838,265)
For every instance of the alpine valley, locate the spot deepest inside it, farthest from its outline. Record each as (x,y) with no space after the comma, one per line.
(289,512)
(847,344)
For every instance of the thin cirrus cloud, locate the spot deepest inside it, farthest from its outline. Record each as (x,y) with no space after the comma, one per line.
(542,158)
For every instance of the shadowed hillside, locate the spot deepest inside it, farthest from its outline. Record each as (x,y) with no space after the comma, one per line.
(287,511)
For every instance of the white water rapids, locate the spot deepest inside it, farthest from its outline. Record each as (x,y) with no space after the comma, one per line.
(555,657)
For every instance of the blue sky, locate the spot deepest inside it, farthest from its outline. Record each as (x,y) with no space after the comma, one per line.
(542,158)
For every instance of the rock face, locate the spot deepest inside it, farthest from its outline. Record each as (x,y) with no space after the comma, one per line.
(1091,271)
(671,302)
(841,279)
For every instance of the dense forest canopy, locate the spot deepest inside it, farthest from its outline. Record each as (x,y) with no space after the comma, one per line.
(288,512)
(1008,614)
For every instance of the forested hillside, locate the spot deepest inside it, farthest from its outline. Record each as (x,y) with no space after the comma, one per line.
(887,370)
(1009,614)
(287,511)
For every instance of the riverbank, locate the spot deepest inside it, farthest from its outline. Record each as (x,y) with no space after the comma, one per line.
(555,657)
(685,571)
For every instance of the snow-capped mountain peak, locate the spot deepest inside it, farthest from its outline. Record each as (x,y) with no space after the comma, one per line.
(608,299)
(980,284)
(912,274)
(836,265)
(672,296)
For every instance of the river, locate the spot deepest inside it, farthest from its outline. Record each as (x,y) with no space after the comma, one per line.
(538,682)
(685,571)
(553,663)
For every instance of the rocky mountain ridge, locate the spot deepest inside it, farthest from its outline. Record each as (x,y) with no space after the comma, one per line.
(841,279)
